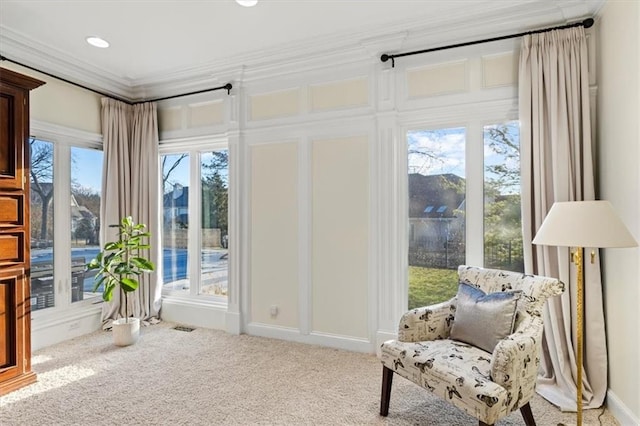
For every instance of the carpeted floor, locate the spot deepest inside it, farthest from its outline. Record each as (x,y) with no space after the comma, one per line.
(208,377)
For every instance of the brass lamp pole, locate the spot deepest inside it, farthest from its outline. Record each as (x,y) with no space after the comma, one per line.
(580,224)
(577,259)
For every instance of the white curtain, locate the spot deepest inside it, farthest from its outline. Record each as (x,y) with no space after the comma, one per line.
(557,165)
(130,188)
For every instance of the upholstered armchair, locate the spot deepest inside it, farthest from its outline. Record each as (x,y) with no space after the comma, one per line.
(480,350)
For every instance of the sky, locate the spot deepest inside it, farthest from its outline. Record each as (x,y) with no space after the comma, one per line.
(444,148)
(180,175)
(86,168)
(445,151)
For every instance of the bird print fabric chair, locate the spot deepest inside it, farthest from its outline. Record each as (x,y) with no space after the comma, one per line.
(480,350)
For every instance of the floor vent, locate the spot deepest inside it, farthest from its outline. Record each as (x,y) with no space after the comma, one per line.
(183,328)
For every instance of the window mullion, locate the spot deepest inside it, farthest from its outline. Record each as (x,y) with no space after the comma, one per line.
(193,246)
(475,193)
(61,224)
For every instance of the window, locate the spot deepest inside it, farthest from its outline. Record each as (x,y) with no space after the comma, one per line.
(436,161)
(502,209)
(195,228)
(86,189)
(440,205)
(175,221)
(214,175)
(64,224)
(43,294)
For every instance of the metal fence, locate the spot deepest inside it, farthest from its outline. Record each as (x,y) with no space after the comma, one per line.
(507,256)
(450,255)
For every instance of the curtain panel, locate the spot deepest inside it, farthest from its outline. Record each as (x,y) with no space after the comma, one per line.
(557,165)
(130,188)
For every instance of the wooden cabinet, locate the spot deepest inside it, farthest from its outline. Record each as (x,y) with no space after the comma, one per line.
(15,302)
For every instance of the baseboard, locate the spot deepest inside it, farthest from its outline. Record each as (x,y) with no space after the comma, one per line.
(315,338)
(194,313)
(233,323)
(620,411)
(348,343)
(50,328)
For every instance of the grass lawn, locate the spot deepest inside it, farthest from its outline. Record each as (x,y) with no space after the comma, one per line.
(429,285)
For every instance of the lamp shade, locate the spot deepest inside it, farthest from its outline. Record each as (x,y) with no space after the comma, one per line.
(583,224)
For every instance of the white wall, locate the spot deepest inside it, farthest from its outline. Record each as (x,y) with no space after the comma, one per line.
(618,133)
(340,236)
(274,236)
(308,138)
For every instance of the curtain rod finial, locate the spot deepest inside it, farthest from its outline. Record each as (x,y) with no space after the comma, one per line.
(384,57)
(588,23)
(228,86)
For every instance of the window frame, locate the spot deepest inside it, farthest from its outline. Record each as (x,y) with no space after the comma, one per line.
(63,140)
(194,148)
(473,117)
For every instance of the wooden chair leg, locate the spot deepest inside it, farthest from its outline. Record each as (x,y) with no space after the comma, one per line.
(385,396)
(527,415)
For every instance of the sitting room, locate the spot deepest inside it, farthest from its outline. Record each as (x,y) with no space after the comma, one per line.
(276,212)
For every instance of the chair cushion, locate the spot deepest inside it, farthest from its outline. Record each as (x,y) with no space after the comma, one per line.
(484,319)
(455,371)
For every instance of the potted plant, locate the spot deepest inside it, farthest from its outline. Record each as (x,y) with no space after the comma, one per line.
(118,265)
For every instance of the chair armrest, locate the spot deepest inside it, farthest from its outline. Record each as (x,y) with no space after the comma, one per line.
(515,360)
(427,323)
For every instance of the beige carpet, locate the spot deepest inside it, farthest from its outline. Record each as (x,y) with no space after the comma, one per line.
(208,377)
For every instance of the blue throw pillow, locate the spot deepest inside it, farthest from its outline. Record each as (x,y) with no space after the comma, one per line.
(484,319)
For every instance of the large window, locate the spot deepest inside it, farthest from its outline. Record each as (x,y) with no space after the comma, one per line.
(195,223)
(64,227)
(442,162)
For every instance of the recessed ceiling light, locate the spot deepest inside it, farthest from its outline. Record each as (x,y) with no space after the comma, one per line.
(247,3)
(97,42)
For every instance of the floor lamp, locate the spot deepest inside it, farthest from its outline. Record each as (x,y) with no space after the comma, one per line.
(580,224)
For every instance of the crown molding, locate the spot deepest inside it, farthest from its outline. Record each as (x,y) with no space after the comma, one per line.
(481,19)
(362,44)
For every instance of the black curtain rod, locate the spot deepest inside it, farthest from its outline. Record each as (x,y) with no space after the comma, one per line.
(587,23)
(227,86)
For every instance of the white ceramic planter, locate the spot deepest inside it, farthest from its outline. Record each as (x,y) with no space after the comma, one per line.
(125,331)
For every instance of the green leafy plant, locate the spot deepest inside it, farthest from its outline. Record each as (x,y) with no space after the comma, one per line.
(120,263)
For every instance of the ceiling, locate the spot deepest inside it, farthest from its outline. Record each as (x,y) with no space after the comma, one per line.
(155,43)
